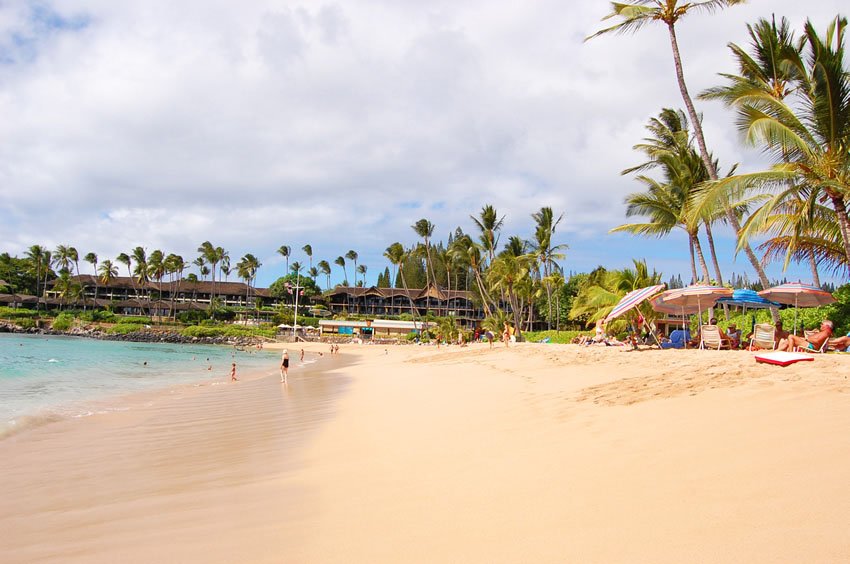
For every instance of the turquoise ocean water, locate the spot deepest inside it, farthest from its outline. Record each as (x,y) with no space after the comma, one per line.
(44,378)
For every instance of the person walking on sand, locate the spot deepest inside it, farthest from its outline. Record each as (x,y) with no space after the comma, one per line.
(233,372)
(302,356)
(284,366)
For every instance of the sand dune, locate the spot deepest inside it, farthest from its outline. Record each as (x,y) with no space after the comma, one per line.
(535,453)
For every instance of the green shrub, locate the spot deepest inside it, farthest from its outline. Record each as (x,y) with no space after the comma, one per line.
(25,323)
(17,313)
(135,319)
(63,322)
(125,328)
(553,336)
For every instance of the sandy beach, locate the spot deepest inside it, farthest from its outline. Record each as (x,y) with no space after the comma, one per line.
(535,453)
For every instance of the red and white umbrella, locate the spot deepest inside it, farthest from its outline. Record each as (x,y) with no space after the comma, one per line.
(699,296)
(632,299)
(798,295)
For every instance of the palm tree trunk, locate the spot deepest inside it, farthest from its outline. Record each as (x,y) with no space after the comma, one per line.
(814,266)
(698,249)
(693,258)
(706,158)
(710,237)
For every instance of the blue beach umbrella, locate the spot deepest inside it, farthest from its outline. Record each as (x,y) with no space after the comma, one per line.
(747,299)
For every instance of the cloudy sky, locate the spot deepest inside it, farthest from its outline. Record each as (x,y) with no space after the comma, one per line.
(256,124)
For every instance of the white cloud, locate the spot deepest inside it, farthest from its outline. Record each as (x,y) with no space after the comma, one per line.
(256,124)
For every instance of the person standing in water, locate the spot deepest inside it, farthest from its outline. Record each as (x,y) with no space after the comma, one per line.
(284,366)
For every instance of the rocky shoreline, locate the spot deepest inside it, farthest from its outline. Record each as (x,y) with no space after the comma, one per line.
(146,336)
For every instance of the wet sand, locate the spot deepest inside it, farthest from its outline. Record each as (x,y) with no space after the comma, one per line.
(537,453)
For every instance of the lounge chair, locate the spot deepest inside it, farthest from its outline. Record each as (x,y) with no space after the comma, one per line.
(678,338)
(764,337)
(821,349)
(711,338)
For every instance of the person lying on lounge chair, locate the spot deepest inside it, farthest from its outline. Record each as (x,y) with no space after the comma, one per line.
(813,343)
(840,343)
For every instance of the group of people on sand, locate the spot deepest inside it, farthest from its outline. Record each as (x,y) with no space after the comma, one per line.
(601,338)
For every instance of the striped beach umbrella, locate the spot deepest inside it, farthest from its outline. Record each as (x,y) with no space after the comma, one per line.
(632,299)
(798,295)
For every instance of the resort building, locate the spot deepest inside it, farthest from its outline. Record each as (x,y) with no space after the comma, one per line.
(378,302)
(125,295)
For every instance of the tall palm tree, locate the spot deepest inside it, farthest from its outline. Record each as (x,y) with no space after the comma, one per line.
(425,229)
(36,255)
(489,223)
(353,256)
(667,203)
(469,253)
(393,253)
(213,256)
(107,272)
(397,254)
(313,273)
(140,272)
(175,265)
(546,253)
(807,130)
(247,268)
(91,258)
(308,250)
(325,268)
(285,251)
(127,261)
(505,274)
(635,15)
(340,261)
(362,270)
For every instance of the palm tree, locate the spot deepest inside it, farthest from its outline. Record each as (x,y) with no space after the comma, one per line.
(308,250)
(636,14)
(63,257)
(545,252)
(125,259)
(285,251)
(140,271)
(667,203)
(340,261)
(489,223)
(38,255)
(425,229)
(802,118)
(469,253)
(362,270)
(505,274)
(393,253)
(91,258)
(213,256)
(352,256)
(108,272)
(175,265)
(313,273)
(325,268)
(247,268)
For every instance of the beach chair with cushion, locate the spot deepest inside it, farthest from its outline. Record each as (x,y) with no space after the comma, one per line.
(764,337)
(711,338)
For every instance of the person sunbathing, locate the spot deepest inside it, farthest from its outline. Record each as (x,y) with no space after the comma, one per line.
(840,343)
(813,343)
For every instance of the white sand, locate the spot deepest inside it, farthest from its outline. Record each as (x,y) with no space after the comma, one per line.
(538,453)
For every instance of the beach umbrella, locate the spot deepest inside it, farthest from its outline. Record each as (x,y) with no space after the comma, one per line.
(798,294)
(700,296)
(632,299)
(747,299)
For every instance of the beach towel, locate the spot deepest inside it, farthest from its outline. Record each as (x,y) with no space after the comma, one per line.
(782,358)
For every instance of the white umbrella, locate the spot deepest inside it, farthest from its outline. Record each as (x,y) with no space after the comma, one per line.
(799,294)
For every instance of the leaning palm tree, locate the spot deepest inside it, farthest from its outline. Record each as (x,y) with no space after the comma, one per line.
(91,258)
(285,251)
(635,15)
(325,268)
(308,250)
(393,253)
(340,261)
(353,256)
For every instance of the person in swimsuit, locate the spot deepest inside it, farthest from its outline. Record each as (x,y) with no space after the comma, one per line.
(233,372)
(284,366)
(814,342)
